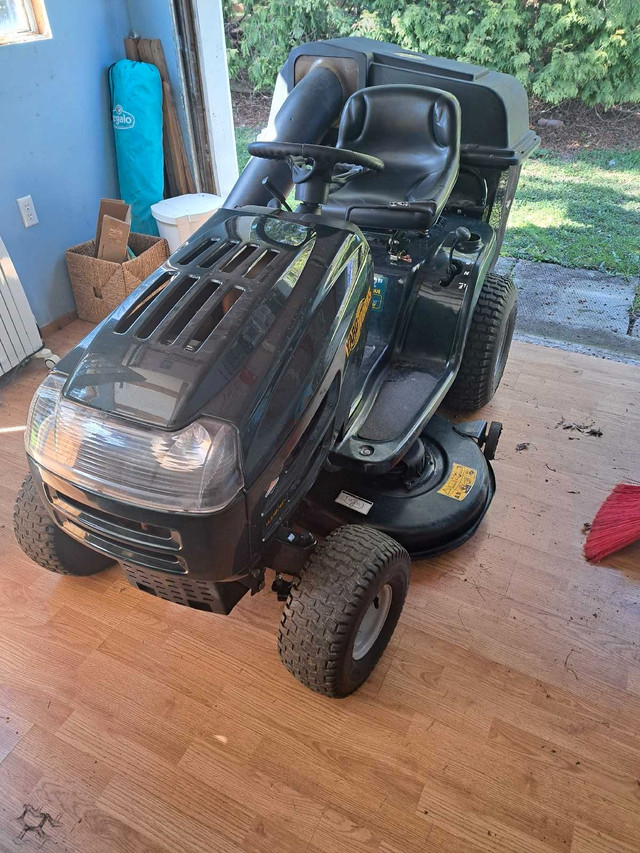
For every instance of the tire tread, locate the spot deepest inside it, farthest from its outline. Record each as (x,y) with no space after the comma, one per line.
(474,386)
(39,537)
(318,615)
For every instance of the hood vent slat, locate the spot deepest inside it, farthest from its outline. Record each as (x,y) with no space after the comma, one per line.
(261,263)
(239,258)
(143,303)
(198,250)
(212,319)
(211,259)
(166,304)
(186,314)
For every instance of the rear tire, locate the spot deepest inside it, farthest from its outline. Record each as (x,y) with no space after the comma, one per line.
(45,543)
(340,615)
(487,347)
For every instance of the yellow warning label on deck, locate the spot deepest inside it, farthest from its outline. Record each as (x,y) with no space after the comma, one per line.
(460,482)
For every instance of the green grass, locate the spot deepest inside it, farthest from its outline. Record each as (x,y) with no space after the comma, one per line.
(579,212)
(244,135)
(575,210)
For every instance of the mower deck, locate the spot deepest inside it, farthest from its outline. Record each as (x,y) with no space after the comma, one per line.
(440,511)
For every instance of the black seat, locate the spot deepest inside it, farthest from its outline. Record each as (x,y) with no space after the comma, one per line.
(416,131)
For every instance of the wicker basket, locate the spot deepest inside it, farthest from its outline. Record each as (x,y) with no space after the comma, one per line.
(99,286)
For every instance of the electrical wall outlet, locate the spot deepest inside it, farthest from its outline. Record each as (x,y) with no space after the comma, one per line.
(27,211)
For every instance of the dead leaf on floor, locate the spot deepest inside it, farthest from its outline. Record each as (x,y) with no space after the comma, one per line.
(585,429)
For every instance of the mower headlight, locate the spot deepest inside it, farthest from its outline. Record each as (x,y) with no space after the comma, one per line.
(196,469)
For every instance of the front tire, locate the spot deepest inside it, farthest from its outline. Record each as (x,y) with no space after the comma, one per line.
(487,348)
(341,613)
(45,543)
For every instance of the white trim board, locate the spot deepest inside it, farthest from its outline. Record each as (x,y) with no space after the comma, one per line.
(212,53)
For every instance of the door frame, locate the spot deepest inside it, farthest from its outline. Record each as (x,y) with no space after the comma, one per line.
(201,45)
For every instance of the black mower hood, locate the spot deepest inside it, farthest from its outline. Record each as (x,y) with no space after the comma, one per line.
(213,328)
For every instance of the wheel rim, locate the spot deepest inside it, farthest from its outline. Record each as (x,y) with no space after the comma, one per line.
(372,622)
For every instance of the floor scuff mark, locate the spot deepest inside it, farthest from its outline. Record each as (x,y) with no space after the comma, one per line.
(34,821)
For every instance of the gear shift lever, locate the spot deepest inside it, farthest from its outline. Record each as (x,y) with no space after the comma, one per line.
(462,234)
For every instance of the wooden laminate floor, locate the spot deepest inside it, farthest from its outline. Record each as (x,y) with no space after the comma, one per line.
(504,717)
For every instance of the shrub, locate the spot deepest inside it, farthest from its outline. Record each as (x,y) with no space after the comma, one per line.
(271,28)
(582,49)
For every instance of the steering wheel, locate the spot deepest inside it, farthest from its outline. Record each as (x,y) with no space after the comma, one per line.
(312,167)
(309,160)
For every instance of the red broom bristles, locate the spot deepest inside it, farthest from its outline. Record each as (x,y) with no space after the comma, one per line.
(616,525)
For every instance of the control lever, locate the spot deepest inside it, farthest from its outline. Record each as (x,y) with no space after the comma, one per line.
(275,193)
(461,235)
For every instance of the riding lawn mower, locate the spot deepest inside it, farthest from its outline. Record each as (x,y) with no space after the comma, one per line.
(268,398)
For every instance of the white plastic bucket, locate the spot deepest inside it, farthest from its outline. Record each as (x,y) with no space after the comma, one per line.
(179,217)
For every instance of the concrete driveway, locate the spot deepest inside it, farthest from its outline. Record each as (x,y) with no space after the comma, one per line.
(581,310)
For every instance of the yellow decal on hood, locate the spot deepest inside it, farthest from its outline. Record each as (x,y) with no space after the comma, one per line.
(358,321)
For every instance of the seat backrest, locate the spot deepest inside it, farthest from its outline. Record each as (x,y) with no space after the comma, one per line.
(412,128)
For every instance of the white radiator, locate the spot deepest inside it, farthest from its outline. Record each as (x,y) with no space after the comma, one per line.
(19,335)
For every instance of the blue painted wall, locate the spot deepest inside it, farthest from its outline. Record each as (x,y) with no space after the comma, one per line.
(56,142)
(56,139)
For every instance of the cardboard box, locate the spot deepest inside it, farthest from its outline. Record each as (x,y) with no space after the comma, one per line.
(114,237)
(115,208)
(99,285)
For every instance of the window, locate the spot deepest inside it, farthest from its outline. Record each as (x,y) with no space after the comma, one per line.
(23,20)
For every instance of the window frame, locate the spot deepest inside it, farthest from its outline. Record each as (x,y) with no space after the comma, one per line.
(38,20)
